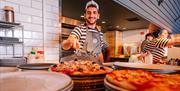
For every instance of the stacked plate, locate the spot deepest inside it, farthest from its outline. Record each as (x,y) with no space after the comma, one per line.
(35,81)
(35,66)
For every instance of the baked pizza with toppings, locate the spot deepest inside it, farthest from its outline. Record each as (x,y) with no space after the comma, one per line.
(80,68)
(140,80)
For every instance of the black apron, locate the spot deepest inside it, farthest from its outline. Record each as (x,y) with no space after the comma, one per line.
(90,50)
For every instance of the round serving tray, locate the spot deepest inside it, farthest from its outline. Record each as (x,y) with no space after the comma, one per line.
(8,69)
(35,81)
(112,87)
(160,68)
(35,66)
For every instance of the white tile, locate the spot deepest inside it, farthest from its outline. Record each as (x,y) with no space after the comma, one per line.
(8,33)
(1,14)
(48,8)
(27,50)
(48,22)
(9,50)
(52,16)
(49,36)
(52,57)
(32,27)
(52,50)
(18,33)
(54,3)
(36,20)
(53,30)
(21,2)
(38,0)
(12,4)
(2,32)
(55,23)
(27,34)
(18,50)
(2,50)
(37,5)
(55,10)
(30,11)
(33,42)
(23,17)
(37,35)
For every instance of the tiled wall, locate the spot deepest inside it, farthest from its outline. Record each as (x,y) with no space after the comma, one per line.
(134,36)
(40,19)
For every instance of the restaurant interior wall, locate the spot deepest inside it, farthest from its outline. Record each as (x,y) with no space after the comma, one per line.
(40,19)
(133,39)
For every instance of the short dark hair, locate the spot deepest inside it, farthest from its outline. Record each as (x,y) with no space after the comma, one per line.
(158,32)
(148,34)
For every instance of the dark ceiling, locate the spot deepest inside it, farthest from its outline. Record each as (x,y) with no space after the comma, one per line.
(116,16)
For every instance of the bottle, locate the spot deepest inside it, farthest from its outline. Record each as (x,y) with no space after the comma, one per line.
(40,55)
(32,56)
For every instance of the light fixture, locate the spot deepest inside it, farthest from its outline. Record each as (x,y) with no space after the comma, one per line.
(82,16)
(117,26)
(123,28)
(103,22)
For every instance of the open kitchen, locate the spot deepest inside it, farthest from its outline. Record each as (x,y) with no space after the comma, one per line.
(89,45)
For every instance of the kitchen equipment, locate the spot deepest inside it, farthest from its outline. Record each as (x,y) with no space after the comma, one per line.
(160,68)
(9,13)
(35,81)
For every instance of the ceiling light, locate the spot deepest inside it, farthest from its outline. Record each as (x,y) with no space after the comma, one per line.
(103,22)
(82,16)
(117,26)
(123,28)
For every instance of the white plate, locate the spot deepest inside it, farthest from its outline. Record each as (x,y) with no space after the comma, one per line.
(35,66)
(34,81)
(147,66)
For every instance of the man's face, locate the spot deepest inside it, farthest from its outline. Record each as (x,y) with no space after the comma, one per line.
(91,15)
(164,34)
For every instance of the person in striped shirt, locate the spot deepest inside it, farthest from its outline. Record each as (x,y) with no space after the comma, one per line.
(158,46)
(148,37)
(87,36)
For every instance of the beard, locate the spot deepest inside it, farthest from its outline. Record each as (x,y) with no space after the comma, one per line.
(91,23)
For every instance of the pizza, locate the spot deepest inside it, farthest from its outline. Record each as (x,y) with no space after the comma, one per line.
(140,80)
(80,68)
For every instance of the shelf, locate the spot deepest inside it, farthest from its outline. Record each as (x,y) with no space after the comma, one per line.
(4,24)
(9,40)
(10,43)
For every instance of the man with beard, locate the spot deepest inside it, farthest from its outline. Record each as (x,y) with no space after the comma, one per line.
(87,37)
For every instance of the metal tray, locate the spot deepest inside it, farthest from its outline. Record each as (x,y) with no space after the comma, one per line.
(112,87)
(159,68)
(35,66)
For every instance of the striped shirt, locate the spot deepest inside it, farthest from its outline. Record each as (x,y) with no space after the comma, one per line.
(157,48)
(81,31)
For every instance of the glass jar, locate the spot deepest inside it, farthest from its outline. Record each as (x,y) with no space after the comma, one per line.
(9,13)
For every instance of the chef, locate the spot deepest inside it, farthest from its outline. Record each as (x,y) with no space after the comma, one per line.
(87,37)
